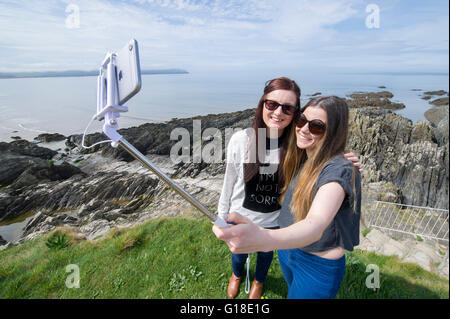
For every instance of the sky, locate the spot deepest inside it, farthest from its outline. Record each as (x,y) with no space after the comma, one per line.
(234,35)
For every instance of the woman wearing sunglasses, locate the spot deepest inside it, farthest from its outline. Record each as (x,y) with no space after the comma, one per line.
(321,202)
(252,181)
(252,188)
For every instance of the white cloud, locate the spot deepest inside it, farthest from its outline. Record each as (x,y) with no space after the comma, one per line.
(216,34)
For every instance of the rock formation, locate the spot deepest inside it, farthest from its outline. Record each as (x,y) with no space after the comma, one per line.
(98,188)
(412,157)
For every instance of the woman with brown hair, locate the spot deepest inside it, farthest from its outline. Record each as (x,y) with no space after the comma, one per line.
(252,181)
(321,203)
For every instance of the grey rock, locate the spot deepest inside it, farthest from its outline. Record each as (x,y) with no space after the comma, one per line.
(96,229)
(50,137)
(440,101)
(436,114)
(7,245)
(439,92)
(23,147)
(394,248)
(70,220)
(92,205)
(393,149)
(421,131)
(97,215)
(441,131)
(403,162)
(2,241)
(420,258)
(23,167)
(438,117)
(113,214)
(376,100)
(381,191)
(154,138)
(407,250)
(72,193)
(13,166)
(36,220)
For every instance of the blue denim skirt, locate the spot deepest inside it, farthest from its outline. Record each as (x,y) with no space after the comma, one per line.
(309,276)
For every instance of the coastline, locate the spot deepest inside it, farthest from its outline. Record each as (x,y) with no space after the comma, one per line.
(76,73)
(383,99)
(65,105)
(102,188)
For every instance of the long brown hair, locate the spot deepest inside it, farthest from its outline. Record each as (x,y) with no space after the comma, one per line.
(281,83)
(332,143)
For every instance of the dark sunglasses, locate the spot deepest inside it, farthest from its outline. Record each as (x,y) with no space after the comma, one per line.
(316,127)
(273,105)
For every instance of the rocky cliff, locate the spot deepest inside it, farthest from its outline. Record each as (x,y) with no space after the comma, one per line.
(409,159)
(96,189)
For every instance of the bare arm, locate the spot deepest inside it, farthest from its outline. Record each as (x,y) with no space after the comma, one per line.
(247,237)
(324,207)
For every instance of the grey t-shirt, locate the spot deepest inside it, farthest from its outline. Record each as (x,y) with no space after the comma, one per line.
(343,231)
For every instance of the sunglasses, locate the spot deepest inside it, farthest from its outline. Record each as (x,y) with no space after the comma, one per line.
(316,127)
(273,105)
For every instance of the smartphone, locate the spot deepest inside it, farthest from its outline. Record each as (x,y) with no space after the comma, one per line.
(128,71)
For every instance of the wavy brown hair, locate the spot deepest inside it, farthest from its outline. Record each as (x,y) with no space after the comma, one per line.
(281,83)
(332,143)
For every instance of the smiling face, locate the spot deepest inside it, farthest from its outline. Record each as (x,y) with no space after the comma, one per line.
(305,139)
(276,121)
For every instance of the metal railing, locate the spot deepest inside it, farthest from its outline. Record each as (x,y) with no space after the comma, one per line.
(426,222)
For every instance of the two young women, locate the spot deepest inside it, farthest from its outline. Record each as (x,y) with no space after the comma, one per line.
(303,162)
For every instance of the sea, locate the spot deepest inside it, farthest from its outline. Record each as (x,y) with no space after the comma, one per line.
(65,105)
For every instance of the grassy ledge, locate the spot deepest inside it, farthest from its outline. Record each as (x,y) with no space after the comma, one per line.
(176,258)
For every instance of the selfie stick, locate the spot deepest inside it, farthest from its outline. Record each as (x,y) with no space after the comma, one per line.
(109,114)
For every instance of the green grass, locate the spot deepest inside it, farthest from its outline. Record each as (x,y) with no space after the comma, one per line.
(177,258)
(365,232)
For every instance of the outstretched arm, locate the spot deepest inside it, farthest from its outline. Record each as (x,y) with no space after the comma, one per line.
(247,237)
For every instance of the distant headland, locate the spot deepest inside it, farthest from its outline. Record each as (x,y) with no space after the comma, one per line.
(76,73)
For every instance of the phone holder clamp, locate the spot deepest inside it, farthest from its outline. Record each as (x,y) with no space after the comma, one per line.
(109,110)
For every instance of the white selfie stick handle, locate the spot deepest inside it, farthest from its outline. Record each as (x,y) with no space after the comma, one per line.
(109,114)
(221,222)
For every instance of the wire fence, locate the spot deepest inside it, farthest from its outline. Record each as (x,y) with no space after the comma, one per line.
(407,220)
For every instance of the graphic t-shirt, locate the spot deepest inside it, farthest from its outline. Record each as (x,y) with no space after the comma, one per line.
(239,153)
(262,191)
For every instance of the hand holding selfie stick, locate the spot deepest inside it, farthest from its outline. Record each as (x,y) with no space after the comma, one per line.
(109,86)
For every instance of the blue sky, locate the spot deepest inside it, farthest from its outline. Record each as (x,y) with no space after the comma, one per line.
(219,35)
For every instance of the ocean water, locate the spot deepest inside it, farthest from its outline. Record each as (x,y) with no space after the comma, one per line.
(29,107)
(32,106)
